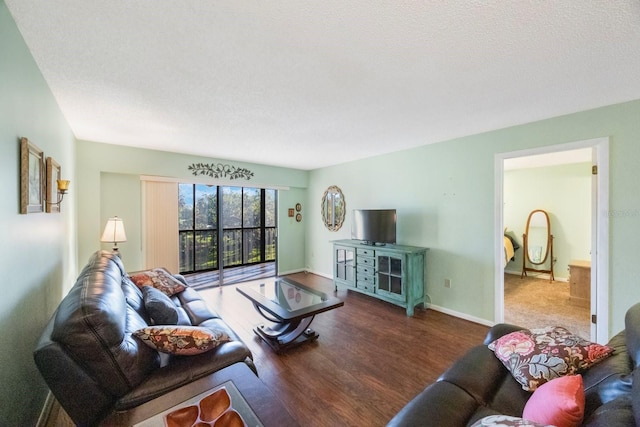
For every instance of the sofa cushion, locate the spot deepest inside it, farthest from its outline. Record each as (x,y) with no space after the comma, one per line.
(559,402)
(536,356)
(159,306)
(181,340)
(160,279)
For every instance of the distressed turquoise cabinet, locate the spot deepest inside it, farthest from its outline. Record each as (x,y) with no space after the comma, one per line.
(392,273)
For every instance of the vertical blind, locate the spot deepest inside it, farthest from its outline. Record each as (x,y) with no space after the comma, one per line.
(160,224)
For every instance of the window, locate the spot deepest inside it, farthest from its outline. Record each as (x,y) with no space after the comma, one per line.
(248,226)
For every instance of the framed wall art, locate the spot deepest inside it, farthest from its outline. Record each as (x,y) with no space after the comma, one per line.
(31,178)
(53,175)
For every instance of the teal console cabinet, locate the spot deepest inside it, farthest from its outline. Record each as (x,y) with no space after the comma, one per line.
(393,273)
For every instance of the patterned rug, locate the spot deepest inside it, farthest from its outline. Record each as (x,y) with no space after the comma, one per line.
(536,303)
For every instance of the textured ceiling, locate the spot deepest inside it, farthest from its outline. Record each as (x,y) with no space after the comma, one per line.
(307,84)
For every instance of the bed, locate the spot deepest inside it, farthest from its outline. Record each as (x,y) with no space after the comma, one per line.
(510,247)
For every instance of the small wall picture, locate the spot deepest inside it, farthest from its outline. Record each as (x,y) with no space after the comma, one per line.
(298,207)
(299,217)
(31,178)
(53,175)
(291,212)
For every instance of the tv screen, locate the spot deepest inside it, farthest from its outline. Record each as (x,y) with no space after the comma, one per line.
(374,226)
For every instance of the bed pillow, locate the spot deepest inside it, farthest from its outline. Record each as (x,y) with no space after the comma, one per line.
(160,279)
(539,355)
(159,306)
(181,340)
(559,402)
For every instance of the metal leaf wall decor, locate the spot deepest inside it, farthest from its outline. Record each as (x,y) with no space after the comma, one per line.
(218,170)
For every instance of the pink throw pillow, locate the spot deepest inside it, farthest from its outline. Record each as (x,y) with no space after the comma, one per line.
(559,402)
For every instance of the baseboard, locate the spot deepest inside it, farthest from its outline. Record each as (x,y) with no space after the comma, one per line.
(284,273)
(305,270)
(461,315)
(43,419)
(544,276)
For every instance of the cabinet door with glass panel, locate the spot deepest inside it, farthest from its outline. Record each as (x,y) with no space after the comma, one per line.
(390,273)
(344,264)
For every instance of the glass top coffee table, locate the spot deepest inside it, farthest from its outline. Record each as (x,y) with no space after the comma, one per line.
(291,306)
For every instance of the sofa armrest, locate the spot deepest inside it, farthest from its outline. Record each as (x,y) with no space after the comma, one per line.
(441,404)
(499,330)
(182,370)
(68,381)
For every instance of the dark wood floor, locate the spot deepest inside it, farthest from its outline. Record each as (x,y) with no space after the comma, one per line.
(369,361)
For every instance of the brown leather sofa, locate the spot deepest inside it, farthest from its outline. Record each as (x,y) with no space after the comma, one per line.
(94,365)
(478,385)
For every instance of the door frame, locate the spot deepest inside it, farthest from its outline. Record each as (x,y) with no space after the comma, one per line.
(599,229)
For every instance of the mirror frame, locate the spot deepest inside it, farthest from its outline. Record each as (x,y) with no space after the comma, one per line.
(338,210)
(549,237)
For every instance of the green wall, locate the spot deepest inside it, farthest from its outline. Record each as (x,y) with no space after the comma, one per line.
(38,251)
(564,191)
(109,184)
(444,194)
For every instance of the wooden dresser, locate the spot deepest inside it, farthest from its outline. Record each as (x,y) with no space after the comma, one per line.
(580,283)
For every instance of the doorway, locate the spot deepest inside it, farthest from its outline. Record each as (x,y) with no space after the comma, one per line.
(596,253)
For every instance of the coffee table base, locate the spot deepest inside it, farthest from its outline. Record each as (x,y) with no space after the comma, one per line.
(287,334)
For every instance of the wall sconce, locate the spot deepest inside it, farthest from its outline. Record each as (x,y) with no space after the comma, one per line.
(114,233)
(63,186)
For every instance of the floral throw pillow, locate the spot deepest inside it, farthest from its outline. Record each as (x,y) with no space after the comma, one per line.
(181,340)
(160,279)
(505,421)
(538,355)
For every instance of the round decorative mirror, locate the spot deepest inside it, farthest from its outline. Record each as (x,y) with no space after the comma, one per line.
(538,243)
(333,208)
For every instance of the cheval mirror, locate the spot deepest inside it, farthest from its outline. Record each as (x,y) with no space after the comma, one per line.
(538,245)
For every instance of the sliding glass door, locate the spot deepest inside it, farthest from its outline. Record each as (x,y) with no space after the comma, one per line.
(248,226)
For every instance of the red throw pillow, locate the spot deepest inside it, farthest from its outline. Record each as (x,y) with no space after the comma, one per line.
(160,279)
(559,402)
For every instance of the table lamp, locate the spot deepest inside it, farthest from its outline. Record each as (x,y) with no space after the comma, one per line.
(114,232)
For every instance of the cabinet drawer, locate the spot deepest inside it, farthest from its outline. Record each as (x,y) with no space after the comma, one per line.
(366,269)
(365,252)
(365,286)
(371,262)
(366,278)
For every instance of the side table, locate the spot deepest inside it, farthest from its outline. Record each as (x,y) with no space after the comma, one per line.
(264,404)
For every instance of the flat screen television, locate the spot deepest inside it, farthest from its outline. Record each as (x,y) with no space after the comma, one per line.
(374,226)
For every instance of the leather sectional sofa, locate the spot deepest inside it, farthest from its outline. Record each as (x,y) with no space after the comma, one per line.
(478,385)
(93,363)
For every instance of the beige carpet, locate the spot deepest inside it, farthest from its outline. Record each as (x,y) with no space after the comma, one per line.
(536,303)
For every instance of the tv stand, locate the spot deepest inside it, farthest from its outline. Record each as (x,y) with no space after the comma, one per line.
(367,243)
(392,273)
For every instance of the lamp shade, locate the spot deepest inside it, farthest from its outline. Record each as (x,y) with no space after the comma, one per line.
(114,231)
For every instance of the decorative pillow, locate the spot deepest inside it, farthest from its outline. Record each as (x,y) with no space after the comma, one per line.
(160,279)
(182,340)
(159,306)
(559,402)
(538,355)
(505,421)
